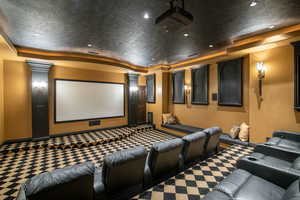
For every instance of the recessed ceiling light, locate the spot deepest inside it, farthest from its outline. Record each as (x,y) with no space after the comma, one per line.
(253,3)
(186,35)
(89,45)
(211,46)
(271,27)
(146,16)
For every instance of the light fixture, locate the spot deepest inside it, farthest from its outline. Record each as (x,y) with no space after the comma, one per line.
(211,46)
(146,16)
(133,89)
(39,84)
(90,45)
(261,72)
(271,27)
(253,3)
(185,34)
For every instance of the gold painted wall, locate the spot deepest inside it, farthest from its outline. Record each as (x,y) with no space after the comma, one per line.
(213,115)
(2,136)
(276,110)
(80,74)
(17,99)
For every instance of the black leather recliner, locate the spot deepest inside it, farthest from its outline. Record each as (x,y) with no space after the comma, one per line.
(74,182)
(163,160)
(243,185)
(122,174)
(213,139)
(284,144)
(194,147)
(278,171)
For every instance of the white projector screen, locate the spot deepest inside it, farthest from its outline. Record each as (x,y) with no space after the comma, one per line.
(83,100)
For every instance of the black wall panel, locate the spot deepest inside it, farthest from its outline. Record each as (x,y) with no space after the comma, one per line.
(40,110)
(132,80)
(230,78)
(297,75)
(200,82)
(150,80)
(178,87)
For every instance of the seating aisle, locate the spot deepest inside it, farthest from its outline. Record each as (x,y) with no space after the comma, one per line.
(195,182)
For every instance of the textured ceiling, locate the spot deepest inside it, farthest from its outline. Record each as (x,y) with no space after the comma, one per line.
(116,28)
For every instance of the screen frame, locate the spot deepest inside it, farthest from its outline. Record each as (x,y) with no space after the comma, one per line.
(88,119)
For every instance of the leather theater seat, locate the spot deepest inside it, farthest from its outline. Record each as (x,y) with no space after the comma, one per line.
(244,186)
(284,144)
(122,174)
(163,160)
(278,171)
(74,182)
(213,139)
(194,146)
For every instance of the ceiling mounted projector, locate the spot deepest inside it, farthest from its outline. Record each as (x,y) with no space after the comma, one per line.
(176,17)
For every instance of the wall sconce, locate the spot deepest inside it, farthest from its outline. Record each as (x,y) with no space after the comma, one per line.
(133,89)
(39,84)
(187,89)
(261,70)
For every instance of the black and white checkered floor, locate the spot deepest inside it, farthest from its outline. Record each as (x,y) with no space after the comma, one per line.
(17,166)
(195,182)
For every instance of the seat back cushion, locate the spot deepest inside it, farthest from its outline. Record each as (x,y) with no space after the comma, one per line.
(296,164)
(194,145)
(74,182)
(213,135)
(124,169)
(164,157)
(293,191)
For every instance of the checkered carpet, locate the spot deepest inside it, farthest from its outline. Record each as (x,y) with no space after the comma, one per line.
(195,182)
(17,166)
(75,141)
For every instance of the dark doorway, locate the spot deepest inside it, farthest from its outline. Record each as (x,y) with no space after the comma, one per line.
(141,105)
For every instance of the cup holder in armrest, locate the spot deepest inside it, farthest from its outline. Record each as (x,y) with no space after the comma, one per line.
(252,158)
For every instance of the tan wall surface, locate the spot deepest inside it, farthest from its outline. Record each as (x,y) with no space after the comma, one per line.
(213,115)
(17,99)
(58,72)
(276,111)
(2,136)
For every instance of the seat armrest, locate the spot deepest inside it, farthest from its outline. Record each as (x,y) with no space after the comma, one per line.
(282,177)
(99,186)
(147,174)
(288,135)
(278,152)
(21,194)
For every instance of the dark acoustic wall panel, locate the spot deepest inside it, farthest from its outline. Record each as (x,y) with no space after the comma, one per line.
(200,85)
(178,87)
(297,75)
(150,80)
(230,78)
(132,80)
(40,109)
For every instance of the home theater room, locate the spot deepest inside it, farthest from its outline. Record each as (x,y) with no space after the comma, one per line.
(150,100)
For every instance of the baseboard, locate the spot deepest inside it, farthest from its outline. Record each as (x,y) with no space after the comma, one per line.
(57,135)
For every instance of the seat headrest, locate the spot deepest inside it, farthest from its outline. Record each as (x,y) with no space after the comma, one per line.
(213,130)
(60,176)
(120,157)
(167,145)
(194,136)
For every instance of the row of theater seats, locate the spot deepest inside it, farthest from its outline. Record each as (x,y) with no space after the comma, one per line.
(124,173)
(272,172)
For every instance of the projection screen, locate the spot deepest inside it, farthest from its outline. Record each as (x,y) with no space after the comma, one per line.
(83,100)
